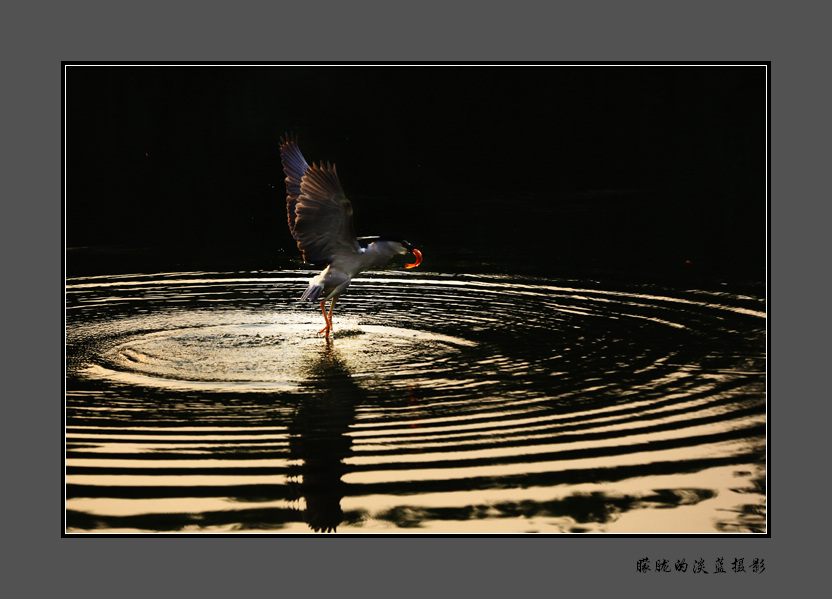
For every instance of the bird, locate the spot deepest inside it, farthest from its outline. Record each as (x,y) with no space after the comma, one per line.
(320,221)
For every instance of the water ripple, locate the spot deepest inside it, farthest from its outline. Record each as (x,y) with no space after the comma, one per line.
(207,402)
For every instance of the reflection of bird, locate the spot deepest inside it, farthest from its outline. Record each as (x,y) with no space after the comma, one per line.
(320,441)
(320,219)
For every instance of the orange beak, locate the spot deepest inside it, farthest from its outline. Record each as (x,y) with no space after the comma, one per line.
(418,255)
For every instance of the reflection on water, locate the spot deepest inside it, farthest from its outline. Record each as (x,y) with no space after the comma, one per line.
(205,402)
(319,443)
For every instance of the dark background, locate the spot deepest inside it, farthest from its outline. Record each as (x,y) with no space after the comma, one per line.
(652,172)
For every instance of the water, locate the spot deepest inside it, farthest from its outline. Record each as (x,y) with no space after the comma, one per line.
(204,402)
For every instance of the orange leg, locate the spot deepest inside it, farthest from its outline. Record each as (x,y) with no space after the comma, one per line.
(327,318)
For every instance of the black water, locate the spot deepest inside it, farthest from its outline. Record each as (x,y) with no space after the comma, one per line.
(482,403)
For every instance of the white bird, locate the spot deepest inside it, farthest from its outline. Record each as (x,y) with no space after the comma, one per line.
(320,220)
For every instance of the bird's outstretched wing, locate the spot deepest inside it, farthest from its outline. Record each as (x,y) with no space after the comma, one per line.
(294,166)
(320,215)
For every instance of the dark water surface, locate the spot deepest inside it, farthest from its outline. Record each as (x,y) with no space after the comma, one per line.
(204,402)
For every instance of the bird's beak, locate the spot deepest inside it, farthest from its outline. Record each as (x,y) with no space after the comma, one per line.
(418,255)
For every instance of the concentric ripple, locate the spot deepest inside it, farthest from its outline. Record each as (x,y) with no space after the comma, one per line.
(206,402)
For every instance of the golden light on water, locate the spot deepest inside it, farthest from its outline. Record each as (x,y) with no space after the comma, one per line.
(219,409)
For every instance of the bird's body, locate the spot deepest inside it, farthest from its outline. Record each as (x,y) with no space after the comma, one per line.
(320,220)
(336,277)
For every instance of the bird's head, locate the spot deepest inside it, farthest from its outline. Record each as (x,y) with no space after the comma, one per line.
(396,245)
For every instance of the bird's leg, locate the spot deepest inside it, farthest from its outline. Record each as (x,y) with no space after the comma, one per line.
(331,308)
(326,319)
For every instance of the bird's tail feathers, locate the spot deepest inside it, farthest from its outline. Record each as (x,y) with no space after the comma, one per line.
(312,293)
